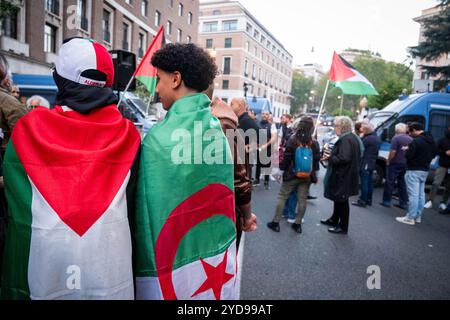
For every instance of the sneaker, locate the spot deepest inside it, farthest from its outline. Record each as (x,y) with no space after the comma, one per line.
(291,221)
(256,183)
(303,221)
(443,206)
(428,205)
(419,220)
(406,220)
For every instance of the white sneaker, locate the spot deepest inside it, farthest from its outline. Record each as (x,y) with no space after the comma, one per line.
(443,207)
(428,205)
(406,220)
(419,220)
(303,221)
(291,221)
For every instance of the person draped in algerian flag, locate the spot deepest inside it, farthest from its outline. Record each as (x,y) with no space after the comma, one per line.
(68,178)
(343,75)
(185,233)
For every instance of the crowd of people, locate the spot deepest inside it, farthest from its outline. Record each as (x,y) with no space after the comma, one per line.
(94,212)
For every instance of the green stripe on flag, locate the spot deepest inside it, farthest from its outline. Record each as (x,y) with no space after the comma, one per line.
(356,88)
(149,83)
(18,239)
(163,186)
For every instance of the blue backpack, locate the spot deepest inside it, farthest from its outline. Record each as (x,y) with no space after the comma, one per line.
(303,162)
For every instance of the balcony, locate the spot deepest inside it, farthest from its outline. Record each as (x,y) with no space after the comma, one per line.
(15,46)
(51,57)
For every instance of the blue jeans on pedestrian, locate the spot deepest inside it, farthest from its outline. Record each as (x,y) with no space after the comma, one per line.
(395,172)
(415,182)
(366,187)
(291,205)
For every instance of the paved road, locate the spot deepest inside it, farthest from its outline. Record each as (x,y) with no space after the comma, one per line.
(414,261)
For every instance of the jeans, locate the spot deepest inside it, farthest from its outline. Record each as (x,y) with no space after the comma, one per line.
(291,205)
(302,187)
(415,182)
(366,186)
(395,173)
(439,177)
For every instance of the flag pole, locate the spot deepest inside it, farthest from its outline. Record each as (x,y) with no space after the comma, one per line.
(342,103)
(321,107)
(126,90)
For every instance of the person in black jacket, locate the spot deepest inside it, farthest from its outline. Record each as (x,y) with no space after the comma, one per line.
(371,144)
(302,137)
(441,173)
(419,155)
(342,178)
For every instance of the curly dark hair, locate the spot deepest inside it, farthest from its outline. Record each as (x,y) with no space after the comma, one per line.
(196,66)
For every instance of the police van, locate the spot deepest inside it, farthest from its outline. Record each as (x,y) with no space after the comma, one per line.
(431,109)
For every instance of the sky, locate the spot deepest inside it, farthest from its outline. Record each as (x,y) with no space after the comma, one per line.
(384,26)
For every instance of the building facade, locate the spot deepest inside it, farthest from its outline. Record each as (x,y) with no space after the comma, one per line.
(350,55)
(311,70)
(31,37)
(247,54)
(423,82)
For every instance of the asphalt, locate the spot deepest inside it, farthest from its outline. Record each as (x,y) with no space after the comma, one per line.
(414,261)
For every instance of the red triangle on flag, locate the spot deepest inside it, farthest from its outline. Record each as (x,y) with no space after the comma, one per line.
(341,70)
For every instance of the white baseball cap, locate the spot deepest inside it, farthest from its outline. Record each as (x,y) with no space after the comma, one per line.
(86,62)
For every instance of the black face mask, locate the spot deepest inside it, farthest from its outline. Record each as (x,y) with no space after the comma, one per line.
(81,98)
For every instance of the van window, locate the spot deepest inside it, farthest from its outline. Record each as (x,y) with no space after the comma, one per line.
(404,119)
(439,124)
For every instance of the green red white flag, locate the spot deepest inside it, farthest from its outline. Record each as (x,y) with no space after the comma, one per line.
(343,75)
(185,232)
(66,177)
(146,73)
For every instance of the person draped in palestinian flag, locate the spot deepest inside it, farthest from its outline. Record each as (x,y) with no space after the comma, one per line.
(185,232)
(69,178)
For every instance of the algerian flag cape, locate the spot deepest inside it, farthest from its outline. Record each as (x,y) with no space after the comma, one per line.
(66,176)
(343,75)
(185,231)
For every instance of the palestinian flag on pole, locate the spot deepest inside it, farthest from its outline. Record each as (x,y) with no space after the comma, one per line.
(146,73)
(185,231)
(345,76)
(66,177)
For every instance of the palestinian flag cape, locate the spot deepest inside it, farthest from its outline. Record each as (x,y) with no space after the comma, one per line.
(185,232)
(343,75)
(66,177)
(146,73)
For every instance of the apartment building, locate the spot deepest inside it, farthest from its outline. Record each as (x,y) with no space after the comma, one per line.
(30,38)
(247,54)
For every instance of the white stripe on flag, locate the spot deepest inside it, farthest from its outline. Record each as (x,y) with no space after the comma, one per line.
(189,278)
(96,266)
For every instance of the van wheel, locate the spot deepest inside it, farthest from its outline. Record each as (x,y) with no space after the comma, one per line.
(378,176)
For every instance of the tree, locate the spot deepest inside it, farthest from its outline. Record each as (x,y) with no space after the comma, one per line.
(436,43)
(7,8)
(301,89)
(389,78)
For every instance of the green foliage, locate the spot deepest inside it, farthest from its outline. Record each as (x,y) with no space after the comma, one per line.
(436,43)
(389,78)
(301,89)
(7,8)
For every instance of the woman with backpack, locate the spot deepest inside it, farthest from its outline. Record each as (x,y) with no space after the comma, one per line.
(300,163)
